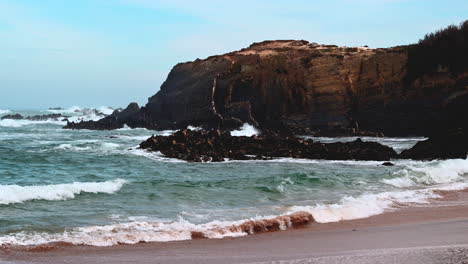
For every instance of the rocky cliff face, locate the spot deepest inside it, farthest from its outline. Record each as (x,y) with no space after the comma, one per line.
(304,87)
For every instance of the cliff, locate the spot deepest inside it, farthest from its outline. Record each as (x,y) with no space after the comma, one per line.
(306,88)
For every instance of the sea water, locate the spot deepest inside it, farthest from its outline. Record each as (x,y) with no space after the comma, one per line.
(98,188)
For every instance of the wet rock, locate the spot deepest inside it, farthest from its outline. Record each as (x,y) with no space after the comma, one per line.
(13,116)
(48,117)
(388,163)
(54,117)
(216,146)
(452,144)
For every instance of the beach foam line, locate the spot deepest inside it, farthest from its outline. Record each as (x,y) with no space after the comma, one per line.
(367,205)
(136,232)
(348,208)
(10,194)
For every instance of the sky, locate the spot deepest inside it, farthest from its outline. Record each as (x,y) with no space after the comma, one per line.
(111,52)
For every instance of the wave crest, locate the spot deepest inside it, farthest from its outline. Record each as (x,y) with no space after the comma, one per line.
(246,130)
(10,194)
(440,172)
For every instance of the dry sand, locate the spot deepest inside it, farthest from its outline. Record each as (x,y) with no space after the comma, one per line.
(436,233)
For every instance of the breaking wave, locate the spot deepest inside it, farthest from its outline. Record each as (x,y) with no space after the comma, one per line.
(135,232)
(427,174)
(21,123)
(84,114)
(76,109)
(367,205)
(10,194)
(2,112)
(246,130)
(434,176)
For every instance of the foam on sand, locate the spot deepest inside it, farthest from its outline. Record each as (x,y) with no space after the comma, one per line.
(135,232)
(347,208)
(10,194)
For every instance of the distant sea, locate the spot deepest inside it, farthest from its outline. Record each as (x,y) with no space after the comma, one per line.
(97,188)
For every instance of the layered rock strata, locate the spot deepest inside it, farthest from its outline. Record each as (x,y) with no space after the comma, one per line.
(302,87)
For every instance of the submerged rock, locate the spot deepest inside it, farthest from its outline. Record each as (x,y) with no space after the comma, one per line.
(216,146)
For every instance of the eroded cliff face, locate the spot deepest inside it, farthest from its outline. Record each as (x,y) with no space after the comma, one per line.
(304,87)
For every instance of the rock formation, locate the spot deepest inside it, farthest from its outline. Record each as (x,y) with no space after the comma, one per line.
(308,88)
(450,145)
(215,146)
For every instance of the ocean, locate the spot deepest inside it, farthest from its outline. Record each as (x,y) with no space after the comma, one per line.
(97,188)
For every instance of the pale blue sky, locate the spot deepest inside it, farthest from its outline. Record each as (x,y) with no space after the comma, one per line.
(111,52)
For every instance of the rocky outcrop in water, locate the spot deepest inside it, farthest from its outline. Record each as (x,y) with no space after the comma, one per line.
(13,116)
(117,119)
(48,117)
(215,146)
(309,88)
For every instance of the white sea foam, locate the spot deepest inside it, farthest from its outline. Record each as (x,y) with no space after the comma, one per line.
(398,144)
(157,155)
(246,130)
(142,231)
(368,205)
(21,123)
(347,208)
(124,128)
(79,114)
(430,173)
(194,128)
(10,194)
(2,112)
(138,138)
(71,147)
(109,145)
(72,109)
(137,231)
(106,110)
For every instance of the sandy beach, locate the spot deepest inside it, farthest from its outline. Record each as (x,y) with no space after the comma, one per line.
(433,233)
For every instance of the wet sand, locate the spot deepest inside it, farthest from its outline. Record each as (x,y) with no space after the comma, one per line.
(434,233)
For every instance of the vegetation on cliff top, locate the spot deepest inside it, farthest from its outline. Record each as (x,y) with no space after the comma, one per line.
(445,50)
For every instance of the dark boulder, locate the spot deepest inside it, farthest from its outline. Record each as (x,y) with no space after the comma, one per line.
(13,116)
(450,145)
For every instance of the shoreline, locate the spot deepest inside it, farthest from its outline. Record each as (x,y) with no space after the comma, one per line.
(438,227)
